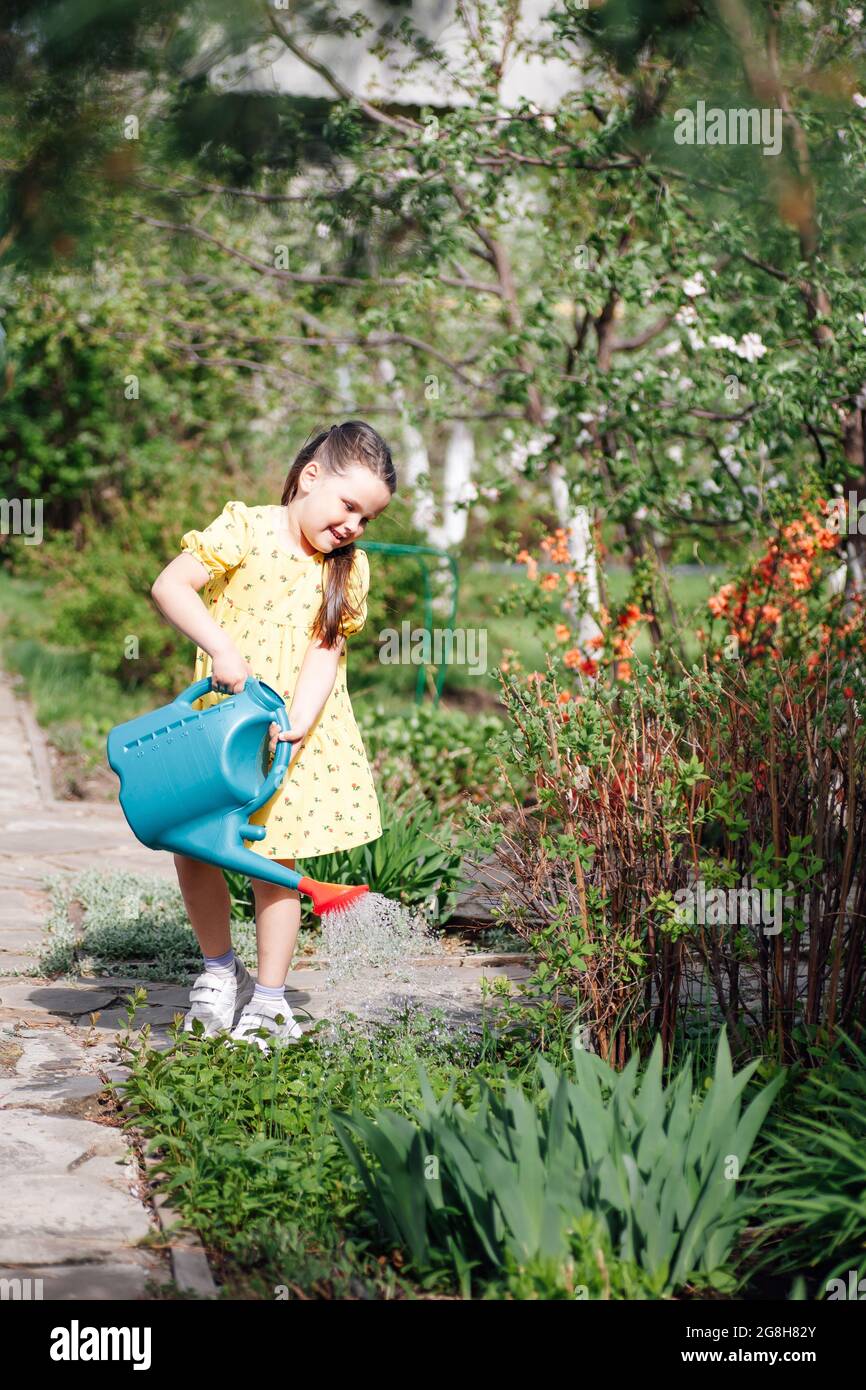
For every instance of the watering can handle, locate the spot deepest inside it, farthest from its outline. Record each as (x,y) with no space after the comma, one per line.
(281,716)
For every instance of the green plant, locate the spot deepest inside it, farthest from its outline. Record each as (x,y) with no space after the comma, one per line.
(657,1165)
(125,923)
(650,790)
(811,1180)
(245,1145)
(447,753)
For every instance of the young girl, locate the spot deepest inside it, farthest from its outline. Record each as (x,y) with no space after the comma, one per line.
(284,586)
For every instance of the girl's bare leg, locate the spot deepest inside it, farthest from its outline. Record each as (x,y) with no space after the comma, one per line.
(278,920)
(208,903)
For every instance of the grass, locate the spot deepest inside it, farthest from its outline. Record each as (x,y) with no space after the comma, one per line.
(253,1163)
(249,1152)
(125,924)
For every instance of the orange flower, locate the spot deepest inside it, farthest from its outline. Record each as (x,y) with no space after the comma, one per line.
(556,547)
(595,643)
(588,666)
(770,613)
(564,696)
(572,658)
(563,632)
(549,582)
(718,603)
(603,617)
(630,615)
(623,670)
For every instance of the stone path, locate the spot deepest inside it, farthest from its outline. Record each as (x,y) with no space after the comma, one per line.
(74,1207)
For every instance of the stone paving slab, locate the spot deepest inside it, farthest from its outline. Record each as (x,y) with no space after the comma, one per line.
(114,1278)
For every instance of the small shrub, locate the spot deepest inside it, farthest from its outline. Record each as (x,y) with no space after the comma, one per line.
(509,1184)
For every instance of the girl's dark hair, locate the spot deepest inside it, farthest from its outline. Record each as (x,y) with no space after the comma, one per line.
(337,449)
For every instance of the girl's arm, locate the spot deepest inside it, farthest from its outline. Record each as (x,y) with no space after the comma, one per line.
(315,683)
(175,594)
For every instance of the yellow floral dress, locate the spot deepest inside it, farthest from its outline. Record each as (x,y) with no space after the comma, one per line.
(267,599)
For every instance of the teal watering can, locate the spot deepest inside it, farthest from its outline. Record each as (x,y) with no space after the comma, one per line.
(190,780)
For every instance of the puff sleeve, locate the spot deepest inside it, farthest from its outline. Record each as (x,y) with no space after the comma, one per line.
(223,544)
(358,589)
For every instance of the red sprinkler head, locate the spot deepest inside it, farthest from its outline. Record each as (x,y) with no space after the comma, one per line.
(328,896)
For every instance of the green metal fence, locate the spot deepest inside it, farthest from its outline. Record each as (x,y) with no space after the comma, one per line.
(420,551)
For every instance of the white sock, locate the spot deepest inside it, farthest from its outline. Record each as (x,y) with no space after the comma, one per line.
(219,965)
(268,994)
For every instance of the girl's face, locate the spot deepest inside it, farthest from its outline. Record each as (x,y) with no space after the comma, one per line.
(333,509)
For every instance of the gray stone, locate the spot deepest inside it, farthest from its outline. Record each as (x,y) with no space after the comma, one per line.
(14,936)
(34,1144)
(120,1278)
(70,999)
(49,1218)
(12,965)
(54,1092)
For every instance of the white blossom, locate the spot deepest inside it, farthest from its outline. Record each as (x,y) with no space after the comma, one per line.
(686,314)
(854,16)
(539,443)
(322,229)
(859,99)
(695,285)
(723,340)
(862,318)
(750,347)
(675,452)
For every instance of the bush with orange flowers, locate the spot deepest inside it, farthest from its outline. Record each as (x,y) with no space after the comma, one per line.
(748,771)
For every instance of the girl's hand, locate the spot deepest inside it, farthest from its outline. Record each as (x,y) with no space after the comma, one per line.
(278,735)
(229,671)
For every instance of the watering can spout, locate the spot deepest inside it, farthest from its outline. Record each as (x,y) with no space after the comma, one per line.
(328,896)
(191,779)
